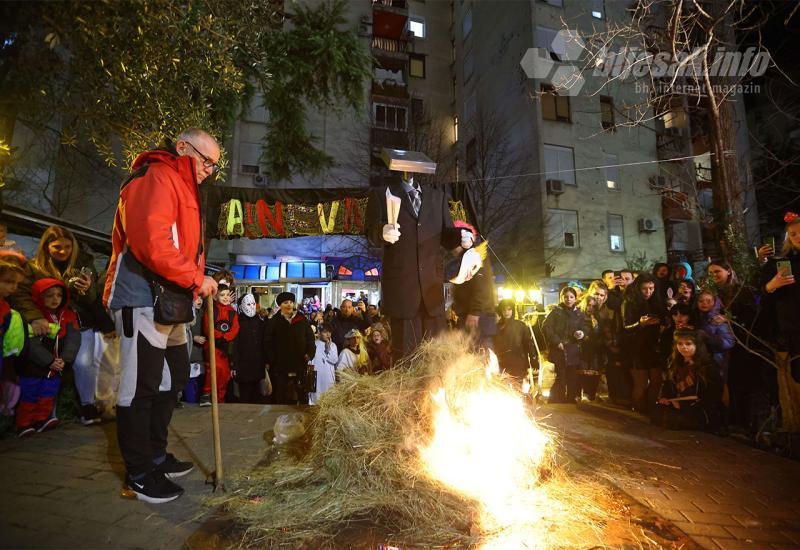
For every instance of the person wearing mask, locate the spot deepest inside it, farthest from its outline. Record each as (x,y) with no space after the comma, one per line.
(513,343)
(289,346)
(643,314)
(564,328)
(250,358)
(226,330)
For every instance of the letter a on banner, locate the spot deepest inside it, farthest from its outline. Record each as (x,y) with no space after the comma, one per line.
(235,225)
(327,226)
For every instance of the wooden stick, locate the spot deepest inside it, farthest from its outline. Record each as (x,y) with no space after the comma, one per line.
(687,398)
(217,478)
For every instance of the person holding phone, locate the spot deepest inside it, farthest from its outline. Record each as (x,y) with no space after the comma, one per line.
(778,280)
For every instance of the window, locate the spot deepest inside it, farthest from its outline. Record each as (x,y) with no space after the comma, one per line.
(612,172)
(562,228)
(249,169)
(416,65)
(466,24)
(470,107)
(417,109)
(472,154)
(250,157)
(469,65)
(416,26)
(390,117)
(559,163)
(607,112)
(455,129)
(598,9)
(554,106)
(549,39)
(616,233)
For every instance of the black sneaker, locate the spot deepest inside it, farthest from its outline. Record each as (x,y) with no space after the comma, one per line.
(205,400)
(90,415)
(172,467)
(48,424)
(154,488)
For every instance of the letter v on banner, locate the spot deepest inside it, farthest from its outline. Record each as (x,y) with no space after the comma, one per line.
(327,225)
(271,224)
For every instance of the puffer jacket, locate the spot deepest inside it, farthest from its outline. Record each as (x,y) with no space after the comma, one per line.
(157,226)
(62,341)
(719,337)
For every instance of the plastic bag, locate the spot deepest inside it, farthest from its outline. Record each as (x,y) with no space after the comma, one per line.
(289,427)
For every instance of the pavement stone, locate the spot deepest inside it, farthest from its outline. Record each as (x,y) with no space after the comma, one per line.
(61,489)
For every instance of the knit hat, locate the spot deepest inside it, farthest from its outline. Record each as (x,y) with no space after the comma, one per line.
(285,297)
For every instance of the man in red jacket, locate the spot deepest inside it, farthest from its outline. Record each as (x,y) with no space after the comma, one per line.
(157,236)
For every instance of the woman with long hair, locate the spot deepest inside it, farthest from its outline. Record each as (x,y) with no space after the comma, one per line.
(691,397)
(779,282)
(591,305)
(642,317)
(564,328)
(59,256)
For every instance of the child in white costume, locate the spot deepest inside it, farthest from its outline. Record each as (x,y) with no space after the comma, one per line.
(324,363)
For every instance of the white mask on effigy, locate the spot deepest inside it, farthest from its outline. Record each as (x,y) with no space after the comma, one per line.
(248,305)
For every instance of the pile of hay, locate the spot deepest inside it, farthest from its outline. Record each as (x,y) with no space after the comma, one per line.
(361,471)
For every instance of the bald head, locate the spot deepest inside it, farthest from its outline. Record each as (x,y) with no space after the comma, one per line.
(202,147)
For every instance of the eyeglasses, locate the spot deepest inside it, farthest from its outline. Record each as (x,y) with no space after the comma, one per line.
(207,162)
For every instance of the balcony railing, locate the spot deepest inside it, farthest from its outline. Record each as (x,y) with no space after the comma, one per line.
(400,4)
(390,44)
(394,139)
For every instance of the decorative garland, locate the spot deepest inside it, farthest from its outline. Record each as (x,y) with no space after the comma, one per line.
(259,220)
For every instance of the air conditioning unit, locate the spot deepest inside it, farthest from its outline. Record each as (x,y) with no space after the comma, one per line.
(555,187)
(260,180)
(647,225)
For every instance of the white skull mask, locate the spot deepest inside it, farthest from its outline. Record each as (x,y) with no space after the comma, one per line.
(248,305)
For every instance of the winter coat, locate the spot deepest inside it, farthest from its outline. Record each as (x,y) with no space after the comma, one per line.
(784,303)
(380,356)
(477,297)
(251,359)
(706,411)
(593,344)
(641,342)
(288,345)
(82,304)
(514,347)
(62,341)
(157,226)
(559,328)
(719,338)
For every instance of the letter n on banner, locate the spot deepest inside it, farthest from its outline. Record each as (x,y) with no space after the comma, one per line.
(271,223)
(354,215)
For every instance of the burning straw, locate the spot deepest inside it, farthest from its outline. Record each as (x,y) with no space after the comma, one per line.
(435,452)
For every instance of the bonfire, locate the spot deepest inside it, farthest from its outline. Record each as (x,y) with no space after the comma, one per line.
(441,451)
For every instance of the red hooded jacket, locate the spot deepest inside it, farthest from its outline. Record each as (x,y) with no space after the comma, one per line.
(158,220)
(63,315)
(44,349)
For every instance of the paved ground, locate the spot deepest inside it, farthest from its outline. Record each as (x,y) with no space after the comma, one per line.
(61,489)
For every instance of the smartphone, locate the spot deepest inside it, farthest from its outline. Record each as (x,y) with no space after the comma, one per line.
(768,240)
(784,267)
(617,274)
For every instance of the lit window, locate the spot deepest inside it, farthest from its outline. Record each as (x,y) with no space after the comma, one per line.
(559,163)
(455,129)
(562,228)
(607,112)
(416,65)
(616,233)
(612,171)
(554,106)
(416,25)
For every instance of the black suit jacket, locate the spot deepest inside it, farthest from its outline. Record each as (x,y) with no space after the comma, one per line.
(413,271)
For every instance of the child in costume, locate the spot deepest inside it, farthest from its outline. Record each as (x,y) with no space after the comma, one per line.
(13,336)
(48,355)
(226,329)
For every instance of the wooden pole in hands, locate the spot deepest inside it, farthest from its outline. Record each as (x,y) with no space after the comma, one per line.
(217,475)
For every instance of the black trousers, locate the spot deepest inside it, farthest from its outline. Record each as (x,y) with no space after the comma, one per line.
(407,334)
(154,361)
(249,392)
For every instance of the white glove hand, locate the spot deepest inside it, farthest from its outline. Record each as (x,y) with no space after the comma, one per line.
(467,240)
(391,233)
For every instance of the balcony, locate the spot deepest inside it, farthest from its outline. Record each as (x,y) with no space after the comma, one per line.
(392,91)
(391,47)
(675,205)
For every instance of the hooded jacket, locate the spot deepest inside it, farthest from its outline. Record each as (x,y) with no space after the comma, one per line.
(157,226)
(720,339)
(62,341)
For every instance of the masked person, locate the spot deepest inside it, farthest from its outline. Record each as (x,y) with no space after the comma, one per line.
(226,329)
(250,358)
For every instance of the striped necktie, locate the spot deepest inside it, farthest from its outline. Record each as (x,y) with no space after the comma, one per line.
(415,194)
